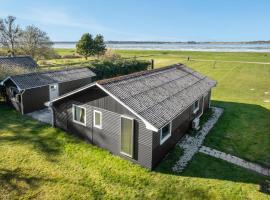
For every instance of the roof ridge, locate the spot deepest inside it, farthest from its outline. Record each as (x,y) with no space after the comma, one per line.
(48,72)
(19,56)
(137,74)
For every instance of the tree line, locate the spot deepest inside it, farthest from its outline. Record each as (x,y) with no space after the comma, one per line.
(36,43)
(28,41)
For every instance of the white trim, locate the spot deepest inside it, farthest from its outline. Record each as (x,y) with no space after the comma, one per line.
(202,107)
(73,115)
(59,82)
(162,140)
(48,103)
(9,77)
(147,124)
(56,87)
(197,108)
(97,126)
(130,118)
(22,107)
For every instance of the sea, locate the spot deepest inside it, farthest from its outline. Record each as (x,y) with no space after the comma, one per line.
(211,47)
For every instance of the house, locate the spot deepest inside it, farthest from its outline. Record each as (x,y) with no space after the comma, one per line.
(28,92)
(26,62)
(140,116)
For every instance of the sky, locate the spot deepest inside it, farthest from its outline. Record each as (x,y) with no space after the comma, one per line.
(145,20)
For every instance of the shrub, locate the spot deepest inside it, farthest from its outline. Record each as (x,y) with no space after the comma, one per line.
(108,68)
(110,54)
(70,56)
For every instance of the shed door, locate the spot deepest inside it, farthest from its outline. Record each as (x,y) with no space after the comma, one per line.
(54,92)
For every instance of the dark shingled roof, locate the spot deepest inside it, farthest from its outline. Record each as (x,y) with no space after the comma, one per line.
(159,95)
(37,79)
(18,61)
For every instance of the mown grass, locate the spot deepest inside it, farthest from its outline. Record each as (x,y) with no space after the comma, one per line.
(37,161)
(40,162)
(242,89)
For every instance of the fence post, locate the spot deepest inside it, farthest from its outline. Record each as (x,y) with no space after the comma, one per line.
(152,63)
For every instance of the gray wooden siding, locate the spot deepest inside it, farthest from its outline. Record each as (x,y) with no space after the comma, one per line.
(180,125)
(66,87)
(109,136)
(34,99)
(207,98)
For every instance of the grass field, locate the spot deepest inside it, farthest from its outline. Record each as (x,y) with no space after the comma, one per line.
(37,161)
(40,162)
(243,90)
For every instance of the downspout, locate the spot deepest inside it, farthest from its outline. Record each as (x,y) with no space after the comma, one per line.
(52,114)
(22,111)
(92,126)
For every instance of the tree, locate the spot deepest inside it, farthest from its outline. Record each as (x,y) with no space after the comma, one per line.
(100,46)
(85,46)
(9,33)
(36,43)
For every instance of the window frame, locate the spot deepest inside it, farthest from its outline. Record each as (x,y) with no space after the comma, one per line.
(94,119)
(196,109)
(123,153)
(73,114)
(162,140)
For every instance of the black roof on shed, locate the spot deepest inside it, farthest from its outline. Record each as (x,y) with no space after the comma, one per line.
(156,96)
(38,79)
(18,61)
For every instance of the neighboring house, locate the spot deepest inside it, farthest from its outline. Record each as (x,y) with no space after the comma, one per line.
(28,92)
(140,116)
(26,62)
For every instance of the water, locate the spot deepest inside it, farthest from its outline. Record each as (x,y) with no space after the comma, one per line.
(182,46)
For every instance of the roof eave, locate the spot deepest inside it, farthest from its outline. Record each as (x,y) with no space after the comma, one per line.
(10,78)
(147,124)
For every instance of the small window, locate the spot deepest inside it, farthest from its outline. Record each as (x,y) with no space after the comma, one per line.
(165,133)
(97,119)
(53,87)
(196,106)
(79,114)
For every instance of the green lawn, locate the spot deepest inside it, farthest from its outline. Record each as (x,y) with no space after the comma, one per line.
(244,129)
(37,161)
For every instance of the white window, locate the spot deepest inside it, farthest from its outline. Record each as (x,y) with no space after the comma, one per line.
(53,87)
(79,114)
(97,119)
(165,133)
(196,106)
(127,132)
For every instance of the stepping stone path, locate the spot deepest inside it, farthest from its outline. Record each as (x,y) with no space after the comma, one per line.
(191,145)
(235,160)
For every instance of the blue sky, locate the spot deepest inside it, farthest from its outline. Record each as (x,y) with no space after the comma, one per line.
(155,20)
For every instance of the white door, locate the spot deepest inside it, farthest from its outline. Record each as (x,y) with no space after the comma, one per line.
(54,93)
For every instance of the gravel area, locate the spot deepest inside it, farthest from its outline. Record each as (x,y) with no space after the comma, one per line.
(235,160)
(191,145)
(43,115)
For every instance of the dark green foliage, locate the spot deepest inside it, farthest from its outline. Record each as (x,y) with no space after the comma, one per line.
(112,68)
(99,45)
(89,46)
(85,46)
